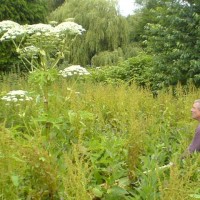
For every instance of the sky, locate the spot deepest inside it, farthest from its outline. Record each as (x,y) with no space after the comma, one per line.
(126,7)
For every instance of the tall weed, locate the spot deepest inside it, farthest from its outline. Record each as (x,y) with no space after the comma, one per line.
(102,139)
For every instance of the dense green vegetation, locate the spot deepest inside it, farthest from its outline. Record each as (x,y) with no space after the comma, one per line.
(24,11)
(105,135)
(102,138)
(173,38)
(165,30)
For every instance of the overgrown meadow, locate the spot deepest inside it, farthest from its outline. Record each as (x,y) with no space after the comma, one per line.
(66,137)
(105,142)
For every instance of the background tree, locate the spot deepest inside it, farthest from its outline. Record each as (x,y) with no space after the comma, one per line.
(168,31)
(106,29)
(24,11)
(54,4)
(174,40)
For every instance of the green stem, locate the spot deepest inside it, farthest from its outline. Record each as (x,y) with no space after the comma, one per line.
(46,108)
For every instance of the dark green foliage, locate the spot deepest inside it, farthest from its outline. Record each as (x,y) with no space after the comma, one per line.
(174,39)
(108,58)
(24,11)
(8,57)
(137,22)
(140,69)
(137,69)
(57,3)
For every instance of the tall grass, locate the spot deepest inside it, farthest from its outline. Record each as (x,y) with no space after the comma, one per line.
(100,136)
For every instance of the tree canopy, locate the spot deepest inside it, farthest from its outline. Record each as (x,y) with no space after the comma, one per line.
(106,29)
(173,38)
(24,11)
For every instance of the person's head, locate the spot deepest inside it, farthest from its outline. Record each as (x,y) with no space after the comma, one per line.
(196,110)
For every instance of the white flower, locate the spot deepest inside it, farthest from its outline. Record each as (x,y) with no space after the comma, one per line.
(16,95)
(7,24)
(12,29)
(20,30)
(38,34)
(6,98)
(39,28)
(69,27)
(13,33)
(31,50)
(17,92)
(14,99)
(74,70)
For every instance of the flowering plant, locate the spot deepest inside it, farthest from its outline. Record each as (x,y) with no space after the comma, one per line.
(17,95)
(44,41)
(12,30)
(40,47)
(73,70)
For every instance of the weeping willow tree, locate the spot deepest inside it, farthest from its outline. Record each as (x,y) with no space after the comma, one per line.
(106,29)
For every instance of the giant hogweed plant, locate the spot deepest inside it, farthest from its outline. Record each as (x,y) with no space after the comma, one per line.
(41,47)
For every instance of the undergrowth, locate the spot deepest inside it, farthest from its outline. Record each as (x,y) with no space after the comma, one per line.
(102,140)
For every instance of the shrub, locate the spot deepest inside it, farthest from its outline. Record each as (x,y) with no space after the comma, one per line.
(137,69)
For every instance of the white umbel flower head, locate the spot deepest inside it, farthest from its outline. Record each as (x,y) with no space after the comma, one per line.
(17,95)
(30,51)
(39,28)
(69,27)
(8,24)
(73,70)
(20,30)
(12,30)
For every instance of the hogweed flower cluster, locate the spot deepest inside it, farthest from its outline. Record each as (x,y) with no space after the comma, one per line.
(12,30)
(68,26)
(35,28)
(30,51)
(73,70)
(7,24)
(16,96)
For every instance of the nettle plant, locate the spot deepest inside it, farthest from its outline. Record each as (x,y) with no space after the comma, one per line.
(41,47)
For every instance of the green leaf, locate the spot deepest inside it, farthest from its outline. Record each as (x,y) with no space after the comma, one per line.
(15,180)
(97,192)
(85,115)
(123,182)
(117,191)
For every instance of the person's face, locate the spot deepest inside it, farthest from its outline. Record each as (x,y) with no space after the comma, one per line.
(196,111)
